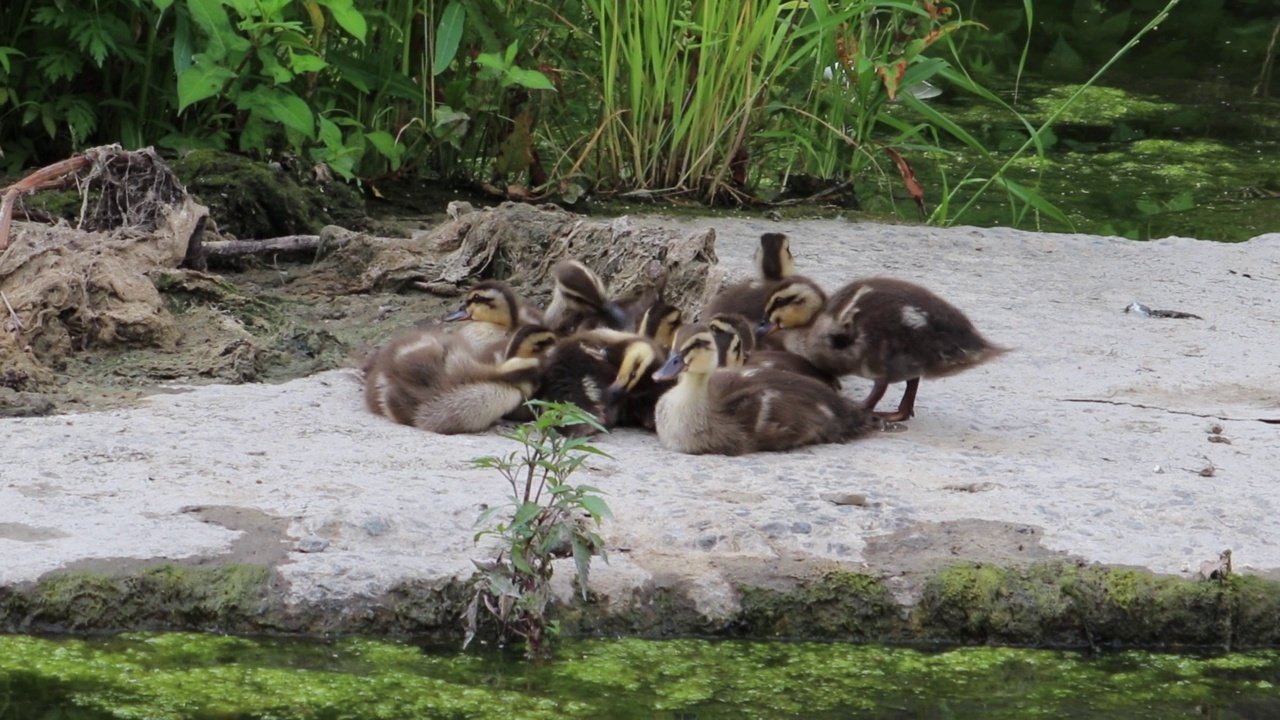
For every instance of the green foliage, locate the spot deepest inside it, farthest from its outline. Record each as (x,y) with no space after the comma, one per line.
(547,518)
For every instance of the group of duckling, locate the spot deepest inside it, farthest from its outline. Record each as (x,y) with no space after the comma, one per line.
(761,372)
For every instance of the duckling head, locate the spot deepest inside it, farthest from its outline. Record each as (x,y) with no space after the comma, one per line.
(639,361)
(697,355)
(773,258)
(530,341)
(726,324)
(578,287)
(795,303)
(491,301)
(660,322)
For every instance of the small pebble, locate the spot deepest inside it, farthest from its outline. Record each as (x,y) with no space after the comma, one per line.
(311,544)
(844,498)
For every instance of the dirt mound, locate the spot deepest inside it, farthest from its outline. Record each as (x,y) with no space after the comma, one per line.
(520,243)
(70,288)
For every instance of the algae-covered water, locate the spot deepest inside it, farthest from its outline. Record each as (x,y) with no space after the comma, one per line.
(178,675)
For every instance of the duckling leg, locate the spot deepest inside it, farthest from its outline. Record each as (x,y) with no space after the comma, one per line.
(906,406)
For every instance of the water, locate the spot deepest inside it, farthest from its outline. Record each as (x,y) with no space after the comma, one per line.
(179,675)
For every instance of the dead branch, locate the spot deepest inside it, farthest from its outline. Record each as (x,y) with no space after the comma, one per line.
(238,248)
(43,178)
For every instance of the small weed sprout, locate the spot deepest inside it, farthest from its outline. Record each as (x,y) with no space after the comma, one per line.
(546,518)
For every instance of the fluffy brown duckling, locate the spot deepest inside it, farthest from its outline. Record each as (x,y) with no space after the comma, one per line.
(774,263)
(492,311)
(439,383)
(888,331)
(733,411)
(634,393)
(736,339)
(579,301)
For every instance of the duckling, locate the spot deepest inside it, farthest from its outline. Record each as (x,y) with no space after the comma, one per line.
(774,263)
(494,311)
(735,331)
(634,393)
(579,301)
(419,368)
(888,331)
(733,411)
(773,258)
(660,322)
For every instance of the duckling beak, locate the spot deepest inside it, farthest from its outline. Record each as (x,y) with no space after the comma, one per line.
(456,315)
(671,368)
(615,394)
(617,316)
(766,327)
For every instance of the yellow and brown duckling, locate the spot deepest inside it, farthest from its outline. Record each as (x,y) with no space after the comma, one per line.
(634,393)
(774,263)
(888,331)
(733,411)
(579,301)
(492,311)
(660,322)
(736,340)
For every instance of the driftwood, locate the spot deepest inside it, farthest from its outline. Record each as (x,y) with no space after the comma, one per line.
(53,176)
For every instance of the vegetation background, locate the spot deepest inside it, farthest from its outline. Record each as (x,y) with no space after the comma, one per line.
(723,102)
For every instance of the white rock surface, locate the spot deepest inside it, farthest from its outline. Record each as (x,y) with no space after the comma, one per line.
(1095,430)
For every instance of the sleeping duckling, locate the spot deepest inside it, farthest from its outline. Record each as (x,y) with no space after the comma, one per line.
(634,393)
(579,301)
(733,411)
(734,331)
(888,331)
(494,311)
(774,264)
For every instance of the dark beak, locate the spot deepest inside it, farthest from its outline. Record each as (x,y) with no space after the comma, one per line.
(671,368)
(765,327)
(615,393)
(456,315)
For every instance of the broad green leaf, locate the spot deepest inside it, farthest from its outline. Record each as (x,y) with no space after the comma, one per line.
(202,80)
(448,36)
(210,16)
(525,513)
(596,506)
(162,5)
(5,52)
(351,20)
(306,62)
(330,133)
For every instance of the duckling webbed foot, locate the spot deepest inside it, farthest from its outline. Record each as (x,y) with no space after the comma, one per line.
(906,406)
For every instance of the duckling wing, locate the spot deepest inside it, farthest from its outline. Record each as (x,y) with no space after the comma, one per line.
(779,410)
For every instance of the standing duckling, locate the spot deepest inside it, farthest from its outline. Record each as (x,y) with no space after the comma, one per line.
(733,411)
(888,331)
(774,263)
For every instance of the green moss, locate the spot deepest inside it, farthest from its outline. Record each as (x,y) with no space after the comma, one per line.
(228,597)
(838,606)
(257,200)
(1061,603)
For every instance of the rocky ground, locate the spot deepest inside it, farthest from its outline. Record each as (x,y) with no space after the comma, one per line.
(1106,437)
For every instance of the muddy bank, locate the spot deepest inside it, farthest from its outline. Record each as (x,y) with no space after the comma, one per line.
(1066,494)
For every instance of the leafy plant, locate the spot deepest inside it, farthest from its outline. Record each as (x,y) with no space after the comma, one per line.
(547,518)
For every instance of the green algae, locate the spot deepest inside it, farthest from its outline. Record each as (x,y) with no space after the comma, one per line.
(183,675)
